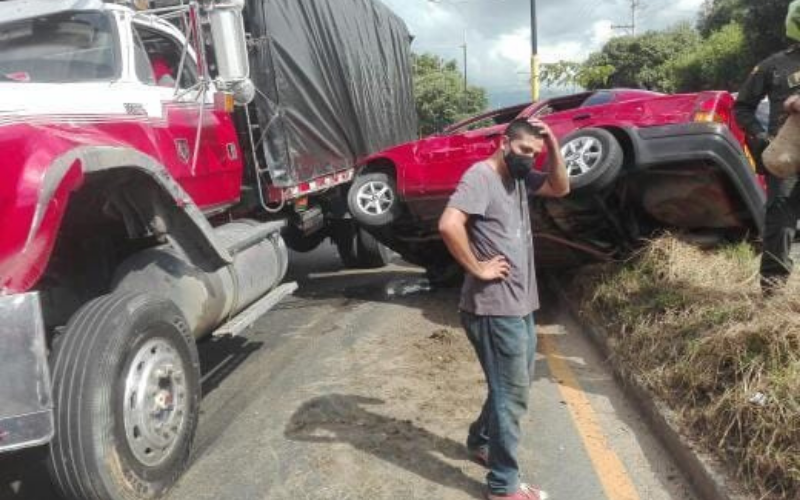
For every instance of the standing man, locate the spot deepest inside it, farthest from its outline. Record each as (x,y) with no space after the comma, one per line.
(487,228)
(778,78)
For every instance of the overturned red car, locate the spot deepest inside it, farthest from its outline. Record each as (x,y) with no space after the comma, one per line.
(639,162)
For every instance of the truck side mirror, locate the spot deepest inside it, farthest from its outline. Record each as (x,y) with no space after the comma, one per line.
(230,49)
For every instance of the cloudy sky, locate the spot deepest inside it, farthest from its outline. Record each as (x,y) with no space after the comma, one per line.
(498,33)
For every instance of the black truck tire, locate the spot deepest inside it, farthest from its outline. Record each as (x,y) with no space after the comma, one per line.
(372,254)
(126,387)
(302,243)
(373,200)
(594,159)
(358,249)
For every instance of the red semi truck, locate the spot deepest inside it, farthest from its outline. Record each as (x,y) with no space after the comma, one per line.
(157,157)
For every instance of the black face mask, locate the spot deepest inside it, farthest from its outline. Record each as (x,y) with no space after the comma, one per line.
(518,165)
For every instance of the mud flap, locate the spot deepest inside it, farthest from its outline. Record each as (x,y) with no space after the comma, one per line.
(26,408)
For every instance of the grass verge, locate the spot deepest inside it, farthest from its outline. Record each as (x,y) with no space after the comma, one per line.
(691,326)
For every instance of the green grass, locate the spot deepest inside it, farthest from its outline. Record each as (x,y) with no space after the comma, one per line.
(692,326)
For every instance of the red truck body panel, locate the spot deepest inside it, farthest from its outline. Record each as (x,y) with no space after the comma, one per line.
(31,145)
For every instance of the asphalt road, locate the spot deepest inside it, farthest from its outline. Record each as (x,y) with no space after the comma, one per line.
(362,386)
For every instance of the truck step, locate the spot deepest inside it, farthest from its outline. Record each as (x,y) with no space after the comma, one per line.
(246,318)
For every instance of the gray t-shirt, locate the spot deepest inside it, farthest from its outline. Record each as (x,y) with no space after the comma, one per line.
(499,224)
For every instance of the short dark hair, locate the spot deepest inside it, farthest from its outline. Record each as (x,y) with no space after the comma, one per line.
(519,127)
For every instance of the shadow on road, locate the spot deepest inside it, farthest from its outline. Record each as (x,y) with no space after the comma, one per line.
(338,418)
(219,358)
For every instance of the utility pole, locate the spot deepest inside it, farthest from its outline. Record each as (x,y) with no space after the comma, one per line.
(635,4)
(534,55)
(464,46)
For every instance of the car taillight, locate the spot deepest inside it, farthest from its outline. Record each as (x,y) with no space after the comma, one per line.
(709,117)
(712,107)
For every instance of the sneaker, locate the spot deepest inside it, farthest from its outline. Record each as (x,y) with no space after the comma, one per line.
(525,492)
(479,455)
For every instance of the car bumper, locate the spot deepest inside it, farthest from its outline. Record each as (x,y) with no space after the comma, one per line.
(707,142)
(26,409)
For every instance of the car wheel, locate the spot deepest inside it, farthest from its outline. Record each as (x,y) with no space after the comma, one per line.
(373,200)
(594,159)
(126,386)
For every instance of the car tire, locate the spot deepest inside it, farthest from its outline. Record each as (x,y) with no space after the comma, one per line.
(372,199)
(126,387)
(594,160)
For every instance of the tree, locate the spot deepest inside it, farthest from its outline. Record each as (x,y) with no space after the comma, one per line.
(566,73)
(717,63)
(716,14)
(765,27)
(638,61)
(439,93)
(762,21)
(731,37)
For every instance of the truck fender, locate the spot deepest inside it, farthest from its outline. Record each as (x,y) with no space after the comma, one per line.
(186,223)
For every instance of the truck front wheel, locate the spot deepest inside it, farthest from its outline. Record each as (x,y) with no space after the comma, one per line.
(126,386)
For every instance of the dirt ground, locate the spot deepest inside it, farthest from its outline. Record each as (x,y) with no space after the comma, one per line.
(427,370)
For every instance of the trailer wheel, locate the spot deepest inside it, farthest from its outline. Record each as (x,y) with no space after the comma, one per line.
(373,199)
(126,385)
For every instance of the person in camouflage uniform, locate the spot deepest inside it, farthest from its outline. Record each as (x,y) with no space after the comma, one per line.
(777,78)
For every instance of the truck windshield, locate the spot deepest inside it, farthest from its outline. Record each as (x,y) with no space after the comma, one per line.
(62,48)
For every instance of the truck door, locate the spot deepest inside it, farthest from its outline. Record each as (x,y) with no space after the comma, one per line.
(213,178)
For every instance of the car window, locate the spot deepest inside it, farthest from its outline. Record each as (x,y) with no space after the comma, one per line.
(559,104)
(598,98)
(162,56)
(497,118)
(63,48)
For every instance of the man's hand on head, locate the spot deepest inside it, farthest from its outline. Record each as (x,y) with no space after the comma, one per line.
(543,127)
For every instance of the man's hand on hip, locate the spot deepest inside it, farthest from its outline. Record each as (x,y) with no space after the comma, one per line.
(496,268)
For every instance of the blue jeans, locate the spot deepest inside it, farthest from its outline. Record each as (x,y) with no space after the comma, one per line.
(506,347)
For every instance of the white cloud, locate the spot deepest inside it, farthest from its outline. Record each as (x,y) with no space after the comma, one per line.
(601,33)
(514,47)
(498,32)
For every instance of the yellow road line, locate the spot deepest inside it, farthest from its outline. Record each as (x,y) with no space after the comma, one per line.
(613,476)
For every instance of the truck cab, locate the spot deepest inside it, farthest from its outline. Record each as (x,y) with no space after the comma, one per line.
(119,152)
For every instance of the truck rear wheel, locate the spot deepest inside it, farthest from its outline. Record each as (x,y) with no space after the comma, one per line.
(359,249)
(126,385)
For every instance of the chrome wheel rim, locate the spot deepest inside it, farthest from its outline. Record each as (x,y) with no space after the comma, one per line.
(581,155)
(156,403)
(375,198)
